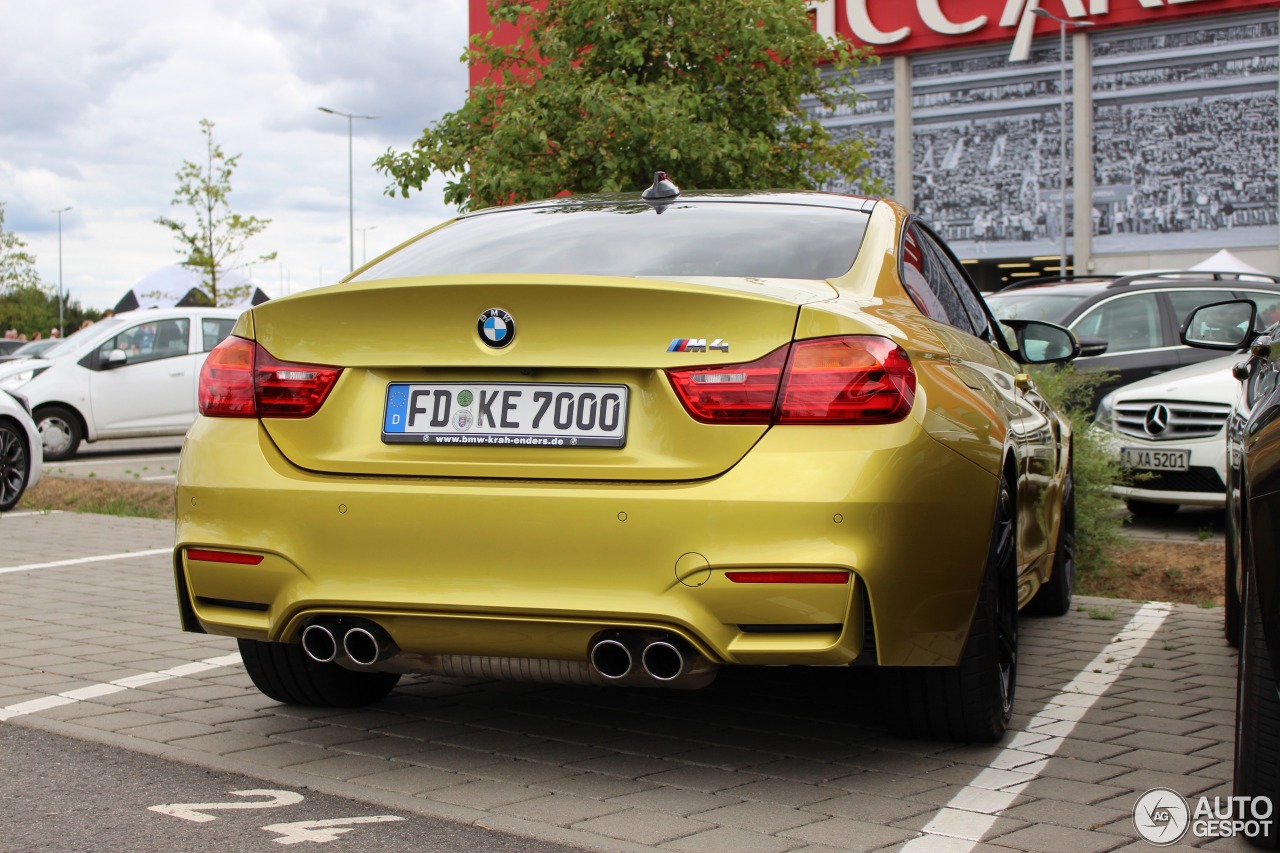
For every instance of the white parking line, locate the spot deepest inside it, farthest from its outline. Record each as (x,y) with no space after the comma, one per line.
(27,512)
(80,560)
(93,691)
(962,822)
(162,477)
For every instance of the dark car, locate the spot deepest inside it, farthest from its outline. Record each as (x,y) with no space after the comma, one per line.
(1138,317)
(1253,541)
(26,349)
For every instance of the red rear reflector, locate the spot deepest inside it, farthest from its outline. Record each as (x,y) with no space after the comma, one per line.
(240,379)
(223,557)
(788,577)
(851,379)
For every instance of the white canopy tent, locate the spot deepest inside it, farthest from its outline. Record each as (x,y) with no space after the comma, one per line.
(179,286)
(1224,261)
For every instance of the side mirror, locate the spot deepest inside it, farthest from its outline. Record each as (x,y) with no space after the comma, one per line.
(115,358)
(1043,343)
(1089,347)
(1221,326)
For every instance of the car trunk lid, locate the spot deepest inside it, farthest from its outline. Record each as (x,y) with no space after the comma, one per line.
(584,335)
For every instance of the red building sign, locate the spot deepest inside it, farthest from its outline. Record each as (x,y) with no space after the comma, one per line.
(916,26)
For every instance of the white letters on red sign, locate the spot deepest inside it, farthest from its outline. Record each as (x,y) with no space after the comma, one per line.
(864,30)
(1015,15)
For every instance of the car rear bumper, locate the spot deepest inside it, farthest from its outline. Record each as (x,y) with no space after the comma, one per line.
(535,569)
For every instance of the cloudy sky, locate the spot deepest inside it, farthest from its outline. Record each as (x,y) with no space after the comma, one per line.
(101,102)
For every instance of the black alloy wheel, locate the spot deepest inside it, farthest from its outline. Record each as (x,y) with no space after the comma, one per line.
(973,700)
(15,464)
(1054,598)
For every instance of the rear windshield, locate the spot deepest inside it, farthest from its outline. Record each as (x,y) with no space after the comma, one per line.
(684,239)
(1030,305)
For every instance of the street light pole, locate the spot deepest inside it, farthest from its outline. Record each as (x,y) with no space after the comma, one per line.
(61,330)
(351,195)
(364,243)
(1063,23)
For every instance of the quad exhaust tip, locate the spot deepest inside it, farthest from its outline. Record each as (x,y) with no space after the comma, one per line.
(664,660)
(644,658)
(367,646)
(319,642)
(362,644)
(611,658)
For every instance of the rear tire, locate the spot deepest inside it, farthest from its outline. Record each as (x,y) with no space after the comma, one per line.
(60,432)
(1257,758)
(15,464)
(972,701)
(1231,598)
(283,672)
(1150,509)
(1054,597)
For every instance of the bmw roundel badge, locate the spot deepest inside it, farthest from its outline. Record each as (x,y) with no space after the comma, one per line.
(497,328)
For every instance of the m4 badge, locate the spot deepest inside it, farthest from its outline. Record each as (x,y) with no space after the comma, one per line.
(698,345)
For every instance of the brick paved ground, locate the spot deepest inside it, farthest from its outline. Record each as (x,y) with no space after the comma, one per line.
(761,761)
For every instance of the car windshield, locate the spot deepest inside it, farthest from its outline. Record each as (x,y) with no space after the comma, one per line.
(752,240)
(1030,305)
(32,348)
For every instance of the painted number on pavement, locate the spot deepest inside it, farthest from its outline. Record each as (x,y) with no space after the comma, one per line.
(318,831)
(195,812)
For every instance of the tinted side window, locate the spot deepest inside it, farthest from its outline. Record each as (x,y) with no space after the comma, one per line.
(150,341)
(1186,301)
(926,282)
(1126,323)
(213,330)
(1268,305)
(965,292)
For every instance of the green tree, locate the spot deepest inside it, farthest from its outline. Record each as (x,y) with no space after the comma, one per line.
(597,95)
(1096,467)
(17,265)
(214,243)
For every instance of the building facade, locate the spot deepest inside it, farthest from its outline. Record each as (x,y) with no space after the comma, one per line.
(1171,127)
(1154,125)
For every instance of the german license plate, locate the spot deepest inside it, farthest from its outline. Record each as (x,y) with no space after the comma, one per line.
(1156,460)
(506,414)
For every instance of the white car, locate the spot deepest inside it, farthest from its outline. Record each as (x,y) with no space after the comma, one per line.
(133,375)
(1169,429)
(20,453)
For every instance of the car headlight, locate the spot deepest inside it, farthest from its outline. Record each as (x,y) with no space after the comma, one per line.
(1105,417)
(17,380)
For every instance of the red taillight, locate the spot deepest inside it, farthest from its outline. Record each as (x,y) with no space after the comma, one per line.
(847,380)
(226,380)
(240,379)
(731,393)
(853,379)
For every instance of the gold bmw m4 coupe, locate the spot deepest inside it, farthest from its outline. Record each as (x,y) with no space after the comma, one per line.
(632,440)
